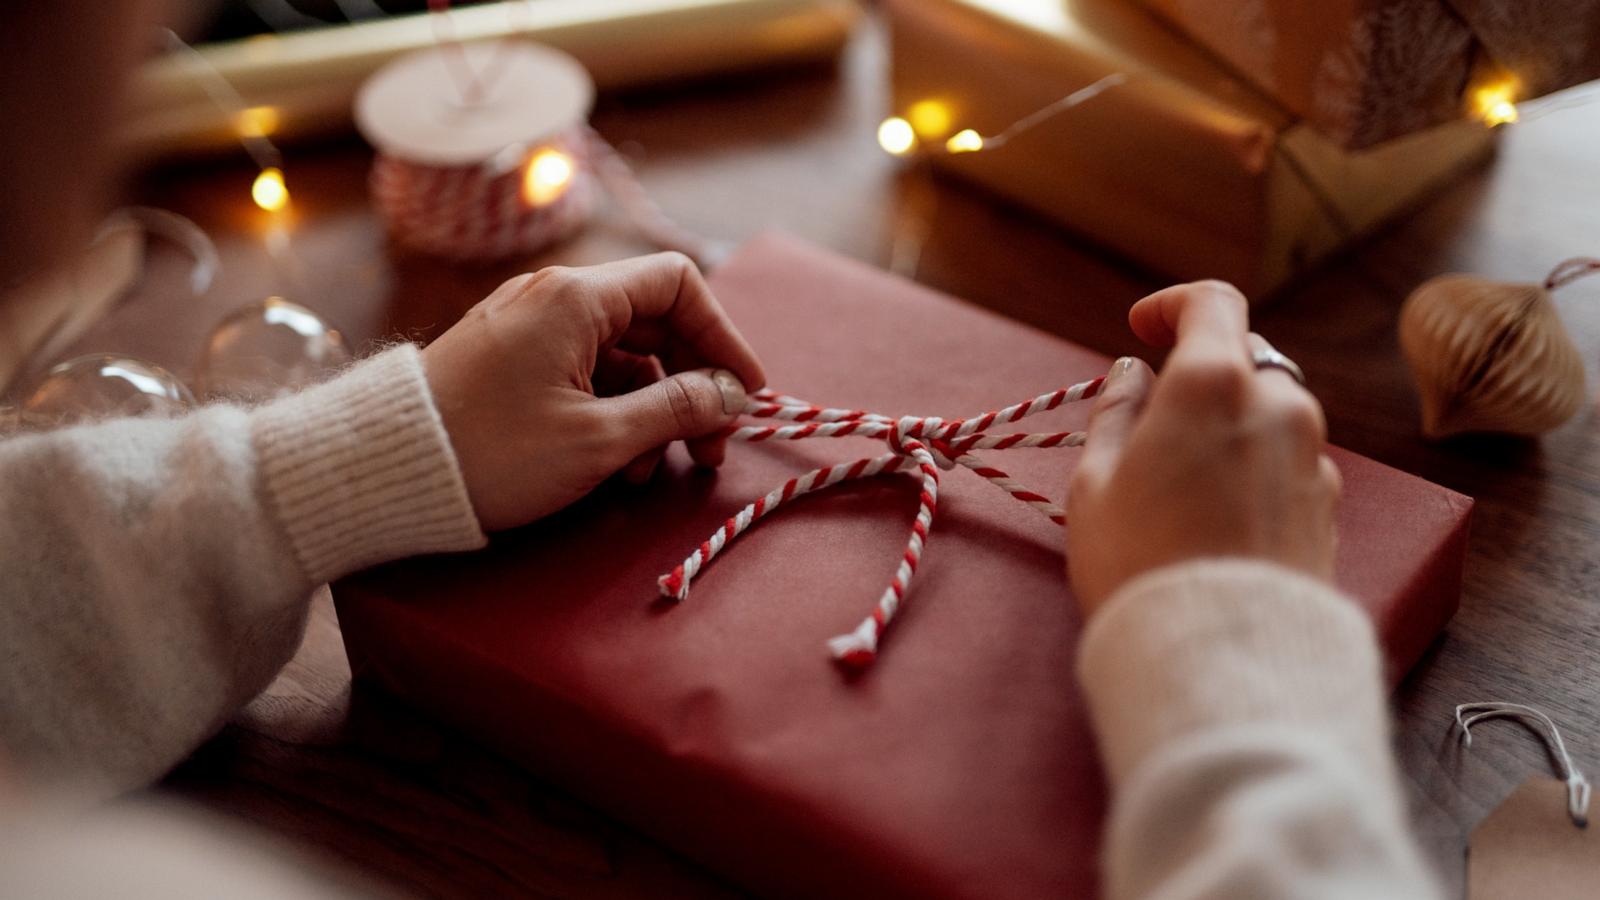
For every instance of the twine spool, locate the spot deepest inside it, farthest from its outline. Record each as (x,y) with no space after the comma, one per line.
(501,169)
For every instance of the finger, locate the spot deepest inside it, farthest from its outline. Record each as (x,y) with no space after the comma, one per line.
(1209,316)
(1333,487)
(1332,480)
(1272,374)
(643,467)
(687,405)
(618,372)
(709,451)
(667,288)
(1209,368)
(1116,410)
(1296,410)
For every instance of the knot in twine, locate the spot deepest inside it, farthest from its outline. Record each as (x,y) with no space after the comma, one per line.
(923,445)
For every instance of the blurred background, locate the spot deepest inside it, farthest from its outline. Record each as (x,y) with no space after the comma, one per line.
(1329,158)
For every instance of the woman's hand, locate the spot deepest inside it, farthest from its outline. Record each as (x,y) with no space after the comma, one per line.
(559,379)
(1213,458)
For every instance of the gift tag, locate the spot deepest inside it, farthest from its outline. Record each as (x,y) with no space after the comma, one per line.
(1538,842)
(1529,846)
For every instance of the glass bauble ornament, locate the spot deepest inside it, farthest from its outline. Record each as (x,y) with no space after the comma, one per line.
(268,348)
(103,387)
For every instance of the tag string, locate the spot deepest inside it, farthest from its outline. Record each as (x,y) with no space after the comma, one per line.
(1570,270)
(921,445)
(1469,714)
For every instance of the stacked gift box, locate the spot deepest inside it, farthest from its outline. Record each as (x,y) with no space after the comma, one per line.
(1249,140)
(1368,71)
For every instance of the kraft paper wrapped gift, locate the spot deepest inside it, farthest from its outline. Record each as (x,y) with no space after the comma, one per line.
(1365,71)
(1186,168)
(961,764)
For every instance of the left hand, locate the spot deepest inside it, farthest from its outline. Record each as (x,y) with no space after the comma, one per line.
(560,379)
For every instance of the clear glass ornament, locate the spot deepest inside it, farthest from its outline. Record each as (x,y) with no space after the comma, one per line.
(103,387)
(268,348)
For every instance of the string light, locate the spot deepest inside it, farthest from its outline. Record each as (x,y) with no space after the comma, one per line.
(251,123)
(549,173)
(931,118)
(964,141)
(896,136)
(1496,103)
(268,191)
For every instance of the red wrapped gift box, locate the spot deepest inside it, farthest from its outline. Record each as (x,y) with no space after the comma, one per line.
(961,764)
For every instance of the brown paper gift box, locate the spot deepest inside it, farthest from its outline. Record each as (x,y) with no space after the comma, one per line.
(961,765)
(1365,71)
(1185,168)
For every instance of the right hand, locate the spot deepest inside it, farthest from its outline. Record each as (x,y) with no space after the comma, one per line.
(1211,459)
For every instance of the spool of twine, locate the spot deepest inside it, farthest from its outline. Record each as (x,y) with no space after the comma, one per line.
(500,162)
(476,213)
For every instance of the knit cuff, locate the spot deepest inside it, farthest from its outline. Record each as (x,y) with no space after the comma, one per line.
(360,470)
(1209,644)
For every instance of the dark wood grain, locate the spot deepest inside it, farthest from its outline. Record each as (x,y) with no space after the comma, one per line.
(365,782)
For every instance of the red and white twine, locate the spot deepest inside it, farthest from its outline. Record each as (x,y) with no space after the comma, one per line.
(923,445)
(479,213)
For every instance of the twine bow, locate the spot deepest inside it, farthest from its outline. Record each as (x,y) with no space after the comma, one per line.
(921,444)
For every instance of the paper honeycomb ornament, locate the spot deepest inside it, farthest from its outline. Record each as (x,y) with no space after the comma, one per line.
(1491,356)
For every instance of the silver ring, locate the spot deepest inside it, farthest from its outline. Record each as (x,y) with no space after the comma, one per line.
(1272,359)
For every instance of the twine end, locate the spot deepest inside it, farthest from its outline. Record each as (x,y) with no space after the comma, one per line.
(856,650)
(856,659)
(672,585)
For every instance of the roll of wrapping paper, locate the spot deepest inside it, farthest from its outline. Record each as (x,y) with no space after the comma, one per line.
(303,83)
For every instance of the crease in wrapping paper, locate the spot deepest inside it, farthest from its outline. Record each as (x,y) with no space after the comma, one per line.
(1368,71)
(1186,168)
(961,766)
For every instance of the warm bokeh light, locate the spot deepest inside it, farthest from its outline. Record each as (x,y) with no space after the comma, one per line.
(1496,104)
(547,177)
(929,118)
(269,191)
(964,141)
(257,121)
(896,136)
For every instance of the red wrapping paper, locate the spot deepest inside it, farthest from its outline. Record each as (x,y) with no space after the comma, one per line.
(961,764)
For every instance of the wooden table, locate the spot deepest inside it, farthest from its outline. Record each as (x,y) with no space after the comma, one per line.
(365,781)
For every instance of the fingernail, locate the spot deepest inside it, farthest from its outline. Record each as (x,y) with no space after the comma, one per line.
(734,396)
(1119,370)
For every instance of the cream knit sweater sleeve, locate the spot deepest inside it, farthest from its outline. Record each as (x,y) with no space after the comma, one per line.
(1241,717)
(155,574)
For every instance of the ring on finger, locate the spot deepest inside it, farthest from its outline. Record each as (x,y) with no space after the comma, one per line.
(1270,358)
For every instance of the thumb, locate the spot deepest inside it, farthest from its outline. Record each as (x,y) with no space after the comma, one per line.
(1121,400)
(679,407)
